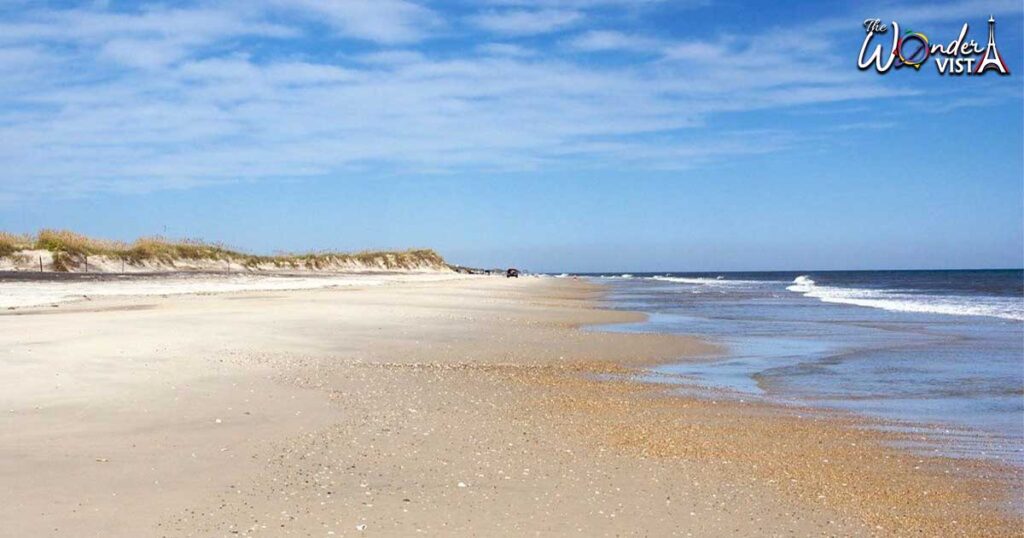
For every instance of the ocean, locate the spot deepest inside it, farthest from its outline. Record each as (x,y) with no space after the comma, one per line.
(940,353)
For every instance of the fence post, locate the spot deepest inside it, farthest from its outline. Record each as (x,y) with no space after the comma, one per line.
(40,264)
(86,263)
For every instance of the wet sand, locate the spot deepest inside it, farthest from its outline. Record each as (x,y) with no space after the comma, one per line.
(469,407)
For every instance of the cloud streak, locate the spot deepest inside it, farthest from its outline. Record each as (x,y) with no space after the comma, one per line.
(381,21)
(158,98)
(519,22)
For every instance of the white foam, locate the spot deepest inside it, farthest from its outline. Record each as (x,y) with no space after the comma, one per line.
(802,284)
(717,281)
(895,301)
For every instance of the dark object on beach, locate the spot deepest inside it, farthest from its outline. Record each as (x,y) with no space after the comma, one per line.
(512,273)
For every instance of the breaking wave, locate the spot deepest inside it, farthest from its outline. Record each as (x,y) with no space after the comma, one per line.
(897,301)
(717,281)
(802,284)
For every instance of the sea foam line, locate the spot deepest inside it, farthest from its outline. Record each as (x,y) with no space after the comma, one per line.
(718,281)
(954,305)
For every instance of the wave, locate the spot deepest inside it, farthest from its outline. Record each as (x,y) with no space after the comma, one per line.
(802,284)
(717,281)
(895,301)
(681,280)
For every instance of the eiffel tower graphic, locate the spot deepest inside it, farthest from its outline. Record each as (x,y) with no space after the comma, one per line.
(991,59)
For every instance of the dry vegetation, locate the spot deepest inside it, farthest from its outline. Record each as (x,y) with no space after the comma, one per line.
(69,247)
(11,243)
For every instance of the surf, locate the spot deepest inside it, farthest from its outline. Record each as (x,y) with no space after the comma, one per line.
(897,301)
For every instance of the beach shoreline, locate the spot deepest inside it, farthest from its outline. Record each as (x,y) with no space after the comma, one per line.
(458,406)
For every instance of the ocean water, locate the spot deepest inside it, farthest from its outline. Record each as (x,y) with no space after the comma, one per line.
(939,354)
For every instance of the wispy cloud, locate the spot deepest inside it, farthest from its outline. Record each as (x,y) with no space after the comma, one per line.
(152,98)
(939,12)
(587,4)
(518,22)
(606,40)
(148,38)
(383,21)
(506,49)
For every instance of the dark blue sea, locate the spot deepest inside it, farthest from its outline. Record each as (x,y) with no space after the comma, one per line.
(940,353)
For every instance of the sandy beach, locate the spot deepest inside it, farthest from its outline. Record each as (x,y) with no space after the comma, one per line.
(470,406)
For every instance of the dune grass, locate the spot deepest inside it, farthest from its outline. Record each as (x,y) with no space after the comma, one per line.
(69,248)
(12,243)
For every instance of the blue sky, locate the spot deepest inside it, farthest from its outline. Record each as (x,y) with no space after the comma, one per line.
(575,135)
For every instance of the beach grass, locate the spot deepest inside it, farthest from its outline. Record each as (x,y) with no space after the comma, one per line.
(11,243)
(68,248)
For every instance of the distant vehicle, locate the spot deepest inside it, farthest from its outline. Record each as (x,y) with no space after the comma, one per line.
(512,273)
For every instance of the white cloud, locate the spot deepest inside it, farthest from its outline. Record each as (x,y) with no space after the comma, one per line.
(506,49)
(605,40)
(964,10)
(392,57)
(144,53)
(971,11)
(22,59)
(526,22)
(94,100)
(585,4)
(695,50)
(382,21)
(302,74)
(194,25)
(150,38)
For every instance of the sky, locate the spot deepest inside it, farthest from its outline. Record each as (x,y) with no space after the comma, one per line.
(553,135)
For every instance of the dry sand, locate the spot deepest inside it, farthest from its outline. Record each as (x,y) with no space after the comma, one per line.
(473,407)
